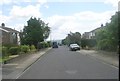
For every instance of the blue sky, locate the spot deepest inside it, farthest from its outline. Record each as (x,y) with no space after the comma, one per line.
(62,17)
(68,8)
(62,8)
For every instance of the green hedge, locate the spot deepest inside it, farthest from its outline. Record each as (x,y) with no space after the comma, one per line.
(25,48)
(49,44)
(4,51)
(88,42)
(43,45)
(14,50)
(32,48)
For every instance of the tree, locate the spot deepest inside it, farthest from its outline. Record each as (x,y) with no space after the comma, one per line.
(36,31)
(72,38)
(46,31)
(107,38)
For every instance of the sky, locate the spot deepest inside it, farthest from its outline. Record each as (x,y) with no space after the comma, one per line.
(63,16)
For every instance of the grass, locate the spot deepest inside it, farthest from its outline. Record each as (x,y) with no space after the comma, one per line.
(4,59)
(7,58)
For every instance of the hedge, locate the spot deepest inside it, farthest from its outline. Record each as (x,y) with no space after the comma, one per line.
(4,51)
(25,48)
(32,48)
(41,45)
(88,42)
(14,50)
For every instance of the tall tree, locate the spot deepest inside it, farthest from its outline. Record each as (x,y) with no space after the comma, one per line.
(36,31)
(46,31)
(73,38)
(107,38)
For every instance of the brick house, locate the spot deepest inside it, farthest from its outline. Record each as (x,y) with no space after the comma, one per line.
(9,35)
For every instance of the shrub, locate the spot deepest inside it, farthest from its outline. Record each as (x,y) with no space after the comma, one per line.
(1,49)
(4,51)
(25,48)
(88,42)
(14,50)
(49,44)
(42,45)
(32,48)
(46,45)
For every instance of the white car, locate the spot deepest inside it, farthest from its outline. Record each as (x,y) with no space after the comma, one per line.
(74,47)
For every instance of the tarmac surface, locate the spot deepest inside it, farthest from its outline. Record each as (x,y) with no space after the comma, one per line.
(64,64)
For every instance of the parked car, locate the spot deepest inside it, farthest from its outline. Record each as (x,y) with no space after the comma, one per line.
(74,47)
(54,45)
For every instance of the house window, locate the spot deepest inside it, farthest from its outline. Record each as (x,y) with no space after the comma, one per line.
(14,35)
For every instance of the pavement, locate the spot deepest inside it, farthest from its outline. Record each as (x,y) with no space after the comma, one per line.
(111,58)
(16,66)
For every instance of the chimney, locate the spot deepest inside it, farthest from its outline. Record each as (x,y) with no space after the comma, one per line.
(3,25)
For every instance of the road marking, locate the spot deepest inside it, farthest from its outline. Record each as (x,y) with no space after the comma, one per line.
(71,71)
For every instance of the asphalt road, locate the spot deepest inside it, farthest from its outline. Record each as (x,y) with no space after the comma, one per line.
(60,63)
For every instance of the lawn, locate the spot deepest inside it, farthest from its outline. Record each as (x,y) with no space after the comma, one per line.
(7,58)
(4,59)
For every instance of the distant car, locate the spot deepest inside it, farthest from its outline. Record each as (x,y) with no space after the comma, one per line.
(54,45)
(60,44)
(74,47)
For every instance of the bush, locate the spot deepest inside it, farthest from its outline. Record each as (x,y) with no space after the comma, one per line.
(42,45)
(4,51)
(49,44)
(32,48)
(106,45)
(25,48)
(14,50)
(88,42)
(46,45)
(0,49)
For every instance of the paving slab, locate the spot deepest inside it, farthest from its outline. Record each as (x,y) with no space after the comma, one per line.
(108,57)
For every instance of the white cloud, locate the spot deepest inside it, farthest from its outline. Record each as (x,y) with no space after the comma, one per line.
(42,1)
(78,22)
(4,19)
(18,15)
(22,1)
(27,11)
(114,3)
(18,26)
(46,6)
(13,1)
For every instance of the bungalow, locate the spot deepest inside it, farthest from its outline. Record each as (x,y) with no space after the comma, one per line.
(9,35)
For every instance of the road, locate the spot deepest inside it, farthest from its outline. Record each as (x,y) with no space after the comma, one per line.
(60,63)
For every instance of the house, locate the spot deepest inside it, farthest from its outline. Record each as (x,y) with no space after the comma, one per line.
(91,34)
(9,35)
(85,35)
